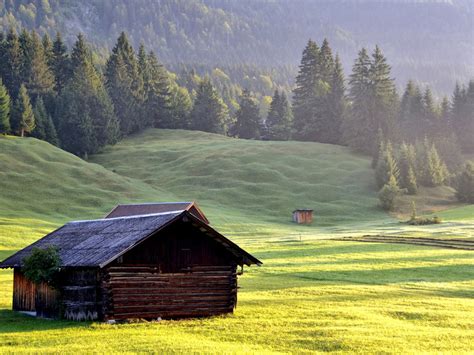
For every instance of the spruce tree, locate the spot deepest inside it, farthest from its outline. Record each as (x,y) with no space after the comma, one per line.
(23,119)
(464,184)
(279,118)
(5,106)
(411,116)
(45,129)
(11,74)
(337,105)
(358,127)
(180,106)
(436,169)
(209,113)
(374,102)
(407,163)
(247,122)
(386,167)
(305,91)
(87,118)
(157,86)
(388,194)
(40,80)
(124,85)
(60,63)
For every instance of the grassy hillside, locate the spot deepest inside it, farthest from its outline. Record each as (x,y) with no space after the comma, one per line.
(310,295)
(251,181)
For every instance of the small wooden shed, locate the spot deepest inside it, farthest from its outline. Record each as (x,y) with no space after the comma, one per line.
(303,216)
(168,265)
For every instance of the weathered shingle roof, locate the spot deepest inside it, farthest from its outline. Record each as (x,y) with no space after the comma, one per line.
(96,243)
(158,207)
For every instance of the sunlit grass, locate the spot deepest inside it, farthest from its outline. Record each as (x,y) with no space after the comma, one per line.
(312,294)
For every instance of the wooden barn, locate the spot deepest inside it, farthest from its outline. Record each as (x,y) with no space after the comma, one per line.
(168,265)
(303,216)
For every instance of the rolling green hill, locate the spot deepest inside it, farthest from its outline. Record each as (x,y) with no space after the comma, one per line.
(250,181)
(316,295)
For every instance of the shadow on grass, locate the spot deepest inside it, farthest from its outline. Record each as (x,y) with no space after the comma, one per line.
(14,322)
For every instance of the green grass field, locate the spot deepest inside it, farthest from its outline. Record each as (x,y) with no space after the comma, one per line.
(312,294)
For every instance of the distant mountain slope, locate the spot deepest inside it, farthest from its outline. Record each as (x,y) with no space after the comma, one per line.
(429,41)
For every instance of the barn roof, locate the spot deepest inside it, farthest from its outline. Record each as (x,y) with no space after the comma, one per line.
(96,243)
(156,207)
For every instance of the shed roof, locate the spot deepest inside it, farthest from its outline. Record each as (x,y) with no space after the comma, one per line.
(156,207)
(96,243)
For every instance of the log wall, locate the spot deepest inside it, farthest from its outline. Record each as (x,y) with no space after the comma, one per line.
(143,292)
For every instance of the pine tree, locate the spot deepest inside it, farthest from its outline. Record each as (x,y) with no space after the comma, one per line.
(209,113)
(407,163)
(60,63)
(5,105)
(23,119)
(279,118)
(464,184)
(463,116)
(386,167)
(326,62)
(378,153)
(180,106)
(124,85)
(412,113)
(358,127)
(247,123)
(388,194)
(86,111)
(431,170)
(40,80)
(337,105)
(384,98)
(305,91)
(47,48)
(157,86)
(374,102)
(45,129)
(11,73)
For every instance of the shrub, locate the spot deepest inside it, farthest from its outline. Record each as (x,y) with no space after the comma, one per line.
(42,265)
(464,184)
(388,194)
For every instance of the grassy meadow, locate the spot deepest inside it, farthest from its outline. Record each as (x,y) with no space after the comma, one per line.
(312,294)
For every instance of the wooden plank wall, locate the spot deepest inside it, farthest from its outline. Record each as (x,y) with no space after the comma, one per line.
(23,292)
(143,292)
(47,301)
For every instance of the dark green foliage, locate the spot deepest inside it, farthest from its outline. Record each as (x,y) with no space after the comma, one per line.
(388,194)
(12,64)
(431,170)
(157,93)
(387,167)
(463,115)
(374,102)
(180,106)
(5,106)
(411,116)
(464,184)
(279,119)
(304,93)
(247,119)
(319,97)
(125,85)
(60,63)
(40,80)
(44,129)
(42,266)
(87,117)
(209,113)
(407,165)
(23,119)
